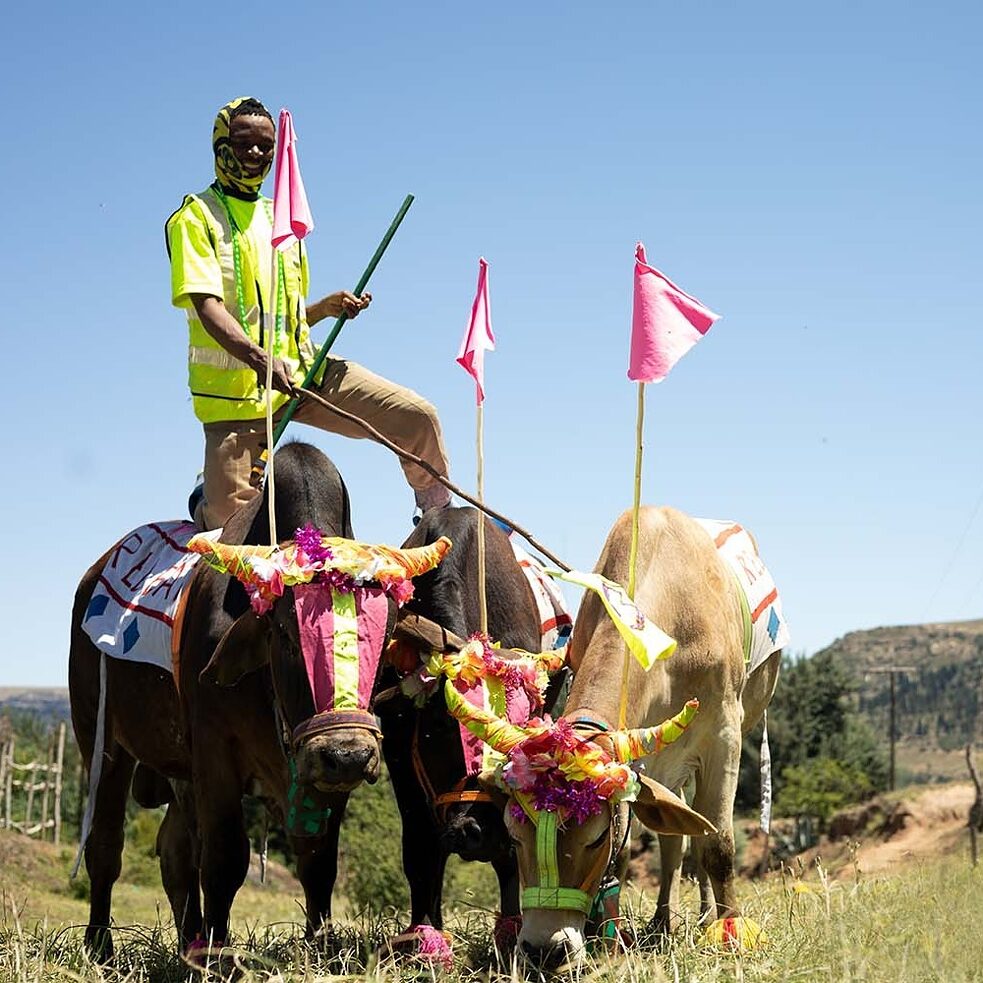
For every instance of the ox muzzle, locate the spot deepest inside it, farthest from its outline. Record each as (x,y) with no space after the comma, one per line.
(341,639)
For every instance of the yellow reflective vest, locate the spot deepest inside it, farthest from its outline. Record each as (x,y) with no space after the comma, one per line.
(214,251)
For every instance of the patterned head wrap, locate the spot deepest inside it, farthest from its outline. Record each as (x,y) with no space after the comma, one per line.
(228,170)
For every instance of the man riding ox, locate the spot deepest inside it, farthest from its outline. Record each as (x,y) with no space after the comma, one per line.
(219,244)
(570,785)
(276,652)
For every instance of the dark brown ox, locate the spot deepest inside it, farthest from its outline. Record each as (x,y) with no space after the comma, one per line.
(685,588)
(231,739)
(443,810)
(250,710)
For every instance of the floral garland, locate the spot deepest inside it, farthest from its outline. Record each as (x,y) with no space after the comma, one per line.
(340,564)
(555,770)
(480,660)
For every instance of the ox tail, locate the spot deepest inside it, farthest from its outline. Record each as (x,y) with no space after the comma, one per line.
(95,767)
(765,779)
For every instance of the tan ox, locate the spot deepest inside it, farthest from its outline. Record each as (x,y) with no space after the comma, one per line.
(686,589)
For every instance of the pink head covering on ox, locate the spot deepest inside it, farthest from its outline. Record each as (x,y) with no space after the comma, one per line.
(341,638)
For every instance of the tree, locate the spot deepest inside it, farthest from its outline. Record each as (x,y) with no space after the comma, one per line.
(812,719)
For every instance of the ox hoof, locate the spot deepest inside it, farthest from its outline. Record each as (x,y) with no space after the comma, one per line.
(423,943)
(506,933)
(201,955)
(737,933)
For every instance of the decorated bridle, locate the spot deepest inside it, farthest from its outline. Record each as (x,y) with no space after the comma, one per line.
(504,682)
(557,774)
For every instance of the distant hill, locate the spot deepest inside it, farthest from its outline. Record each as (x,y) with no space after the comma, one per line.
(48,702)
(939,706)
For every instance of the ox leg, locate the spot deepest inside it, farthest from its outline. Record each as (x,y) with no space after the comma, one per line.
(177,848)
(104,849)
(224,842)
(667,908)
(507,871)
(317,868)
(706,895)
(424,862)
(509,920)
(716,786)
(424,855)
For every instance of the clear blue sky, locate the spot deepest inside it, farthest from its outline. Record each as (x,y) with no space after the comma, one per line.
(811,174)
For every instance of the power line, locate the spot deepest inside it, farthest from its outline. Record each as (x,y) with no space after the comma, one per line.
(952,558)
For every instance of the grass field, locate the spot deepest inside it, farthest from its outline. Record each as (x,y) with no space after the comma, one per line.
(918,924)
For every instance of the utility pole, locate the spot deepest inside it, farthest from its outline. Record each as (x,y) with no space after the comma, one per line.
(891,670)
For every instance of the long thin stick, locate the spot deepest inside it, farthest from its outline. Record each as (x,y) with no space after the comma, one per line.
(271,330)
(445,481)
(339,323)
(633,550)
(482,598)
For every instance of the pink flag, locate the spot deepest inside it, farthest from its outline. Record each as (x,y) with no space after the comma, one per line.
(292,218)
(665,323)
(478,338)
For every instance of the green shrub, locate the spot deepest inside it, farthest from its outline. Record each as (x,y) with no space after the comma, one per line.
(821,787)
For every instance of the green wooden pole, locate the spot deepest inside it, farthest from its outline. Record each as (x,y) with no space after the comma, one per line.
(336,330)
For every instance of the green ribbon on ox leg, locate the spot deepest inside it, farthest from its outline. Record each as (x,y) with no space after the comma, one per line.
(306,815)
(604,920)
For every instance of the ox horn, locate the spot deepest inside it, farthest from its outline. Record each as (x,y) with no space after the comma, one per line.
(494,731)
(632,744)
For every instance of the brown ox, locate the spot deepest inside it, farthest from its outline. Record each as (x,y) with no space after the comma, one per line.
(685,588)
(244,714)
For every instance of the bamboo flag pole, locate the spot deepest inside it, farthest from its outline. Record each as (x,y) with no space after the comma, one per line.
(665,324)
(482,596)
(471,357)
(633,550)
(292,222)
(271,331)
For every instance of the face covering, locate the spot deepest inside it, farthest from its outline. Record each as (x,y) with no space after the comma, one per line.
(228,170)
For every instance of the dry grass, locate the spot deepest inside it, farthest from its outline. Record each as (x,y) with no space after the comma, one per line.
(916,925)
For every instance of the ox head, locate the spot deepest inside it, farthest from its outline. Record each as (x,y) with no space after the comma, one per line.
(447,758)
(321,612)
(567,814)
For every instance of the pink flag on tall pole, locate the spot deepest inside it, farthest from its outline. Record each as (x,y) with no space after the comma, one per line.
(665,323)
(292,218)
(478,339)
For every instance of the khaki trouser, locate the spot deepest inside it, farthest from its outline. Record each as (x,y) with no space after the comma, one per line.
(409,421)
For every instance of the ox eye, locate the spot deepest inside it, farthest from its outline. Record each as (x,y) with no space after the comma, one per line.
(598,841)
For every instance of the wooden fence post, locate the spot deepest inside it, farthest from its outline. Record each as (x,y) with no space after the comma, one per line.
(59,770)
(10,781)
(46,786)
(976,809)
(3,782)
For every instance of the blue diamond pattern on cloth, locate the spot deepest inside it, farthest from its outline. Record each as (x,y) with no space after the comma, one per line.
(130,636)
(773,624)
(97,605)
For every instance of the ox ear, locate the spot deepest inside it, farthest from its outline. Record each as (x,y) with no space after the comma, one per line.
(488,782)
(425,634)
(243,648)
(662,812)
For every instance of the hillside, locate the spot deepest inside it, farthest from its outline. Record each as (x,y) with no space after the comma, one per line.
(938,706)
(48,702)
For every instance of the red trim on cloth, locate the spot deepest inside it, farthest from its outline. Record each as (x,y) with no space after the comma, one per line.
(130,606)
(764,605)
(173,543)
(726,534)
